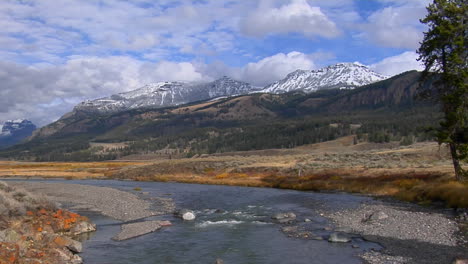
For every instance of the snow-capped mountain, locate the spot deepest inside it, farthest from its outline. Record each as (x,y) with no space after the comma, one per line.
(341,75)
(13,131)
(165,94)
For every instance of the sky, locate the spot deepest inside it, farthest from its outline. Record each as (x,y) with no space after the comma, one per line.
(55,54)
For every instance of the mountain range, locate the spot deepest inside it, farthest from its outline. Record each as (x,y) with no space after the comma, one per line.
(164,94)
(341,75)
(14,131)
(383,110)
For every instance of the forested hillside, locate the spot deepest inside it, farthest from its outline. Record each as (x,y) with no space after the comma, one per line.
(380,112)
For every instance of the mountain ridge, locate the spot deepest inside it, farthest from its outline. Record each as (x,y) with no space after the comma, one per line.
(14,131)
(340,75)
(165,94)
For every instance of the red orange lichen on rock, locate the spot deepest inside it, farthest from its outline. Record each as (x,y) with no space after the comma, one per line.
(43,236)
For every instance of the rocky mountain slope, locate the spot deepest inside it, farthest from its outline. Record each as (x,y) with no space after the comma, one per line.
(164,94)
(386,110)
(341,75)
(13,131)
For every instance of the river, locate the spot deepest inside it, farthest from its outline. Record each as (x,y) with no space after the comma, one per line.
(233,224)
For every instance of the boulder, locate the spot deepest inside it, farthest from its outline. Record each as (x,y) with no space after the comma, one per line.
(69,243)
(65,256)
(339,238)
(186,214)
(82,227)
(219,261)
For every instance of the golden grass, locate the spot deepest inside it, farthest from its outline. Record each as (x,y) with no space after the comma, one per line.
(421,186)
(424,177)
(75,170)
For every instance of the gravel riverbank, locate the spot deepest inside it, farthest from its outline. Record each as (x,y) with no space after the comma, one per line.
(120,205)
(408,233)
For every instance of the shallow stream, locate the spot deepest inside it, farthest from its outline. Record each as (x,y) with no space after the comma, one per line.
(233,224)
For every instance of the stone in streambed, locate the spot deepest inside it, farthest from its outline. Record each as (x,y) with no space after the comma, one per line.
(284,218)
(338,238)
(138,229)
(186,214)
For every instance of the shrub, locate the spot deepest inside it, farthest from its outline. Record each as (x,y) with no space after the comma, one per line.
(15,201)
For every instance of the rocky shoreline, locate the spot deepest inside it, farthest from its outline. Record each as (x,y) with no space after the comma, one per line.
(407,232)
(119,205)
(34,231)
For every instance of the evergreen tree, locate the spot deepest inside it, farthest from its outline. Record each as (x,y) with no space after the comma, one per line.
(444,51)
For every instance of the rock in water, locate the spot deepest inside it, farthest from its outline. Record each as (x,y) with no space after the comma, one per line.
(284,218)
(138,229)
(219,261)
(338,238)
(186,214)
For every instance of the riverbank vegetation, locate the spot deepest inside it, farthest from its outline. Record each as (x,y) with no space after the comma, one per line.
(420,172)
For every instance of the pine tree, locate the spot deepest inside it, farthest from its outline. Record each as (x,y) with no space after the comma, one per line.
(444,51)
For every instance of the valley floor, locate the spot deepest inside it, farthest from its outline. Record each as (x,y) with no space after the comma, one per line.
(419,173)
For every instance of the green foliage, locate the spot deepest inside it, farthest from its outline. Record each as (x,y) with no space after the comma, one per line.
(444,50)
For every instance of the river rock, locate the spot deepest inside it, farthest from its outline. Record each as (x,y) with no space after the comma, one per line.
(69,243)
(289,229)
(82,227)
(186,214)
(460,261)
(132,230)
(284,218)
(338,238)
(219,261)
(377,216)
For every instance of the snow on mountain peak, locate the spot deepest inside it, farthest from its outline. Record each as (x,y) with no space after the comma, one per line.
(163,94)
(342,75)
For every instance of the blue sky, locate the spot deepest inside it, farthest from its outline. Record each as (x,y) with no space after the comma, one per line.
(54,54)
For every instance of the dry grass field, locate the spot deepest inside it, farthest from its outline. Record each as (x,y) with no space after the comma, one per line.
(421,172)
(75,170)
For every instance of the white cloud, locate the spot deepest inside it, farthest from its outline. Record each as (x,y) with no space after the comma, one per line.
(394,65)
(396,26)
(296,17)
(273,68)
(46,92)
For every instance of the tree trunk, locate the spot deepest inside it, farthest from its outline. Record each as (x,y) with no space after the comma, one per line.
(456,163)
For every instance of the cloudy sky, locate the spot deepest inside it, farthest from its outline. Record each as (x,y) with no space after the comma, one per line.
(56,53)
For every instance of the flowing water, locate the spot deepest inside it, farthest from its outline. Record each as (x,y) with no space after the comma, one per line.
(233,224)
